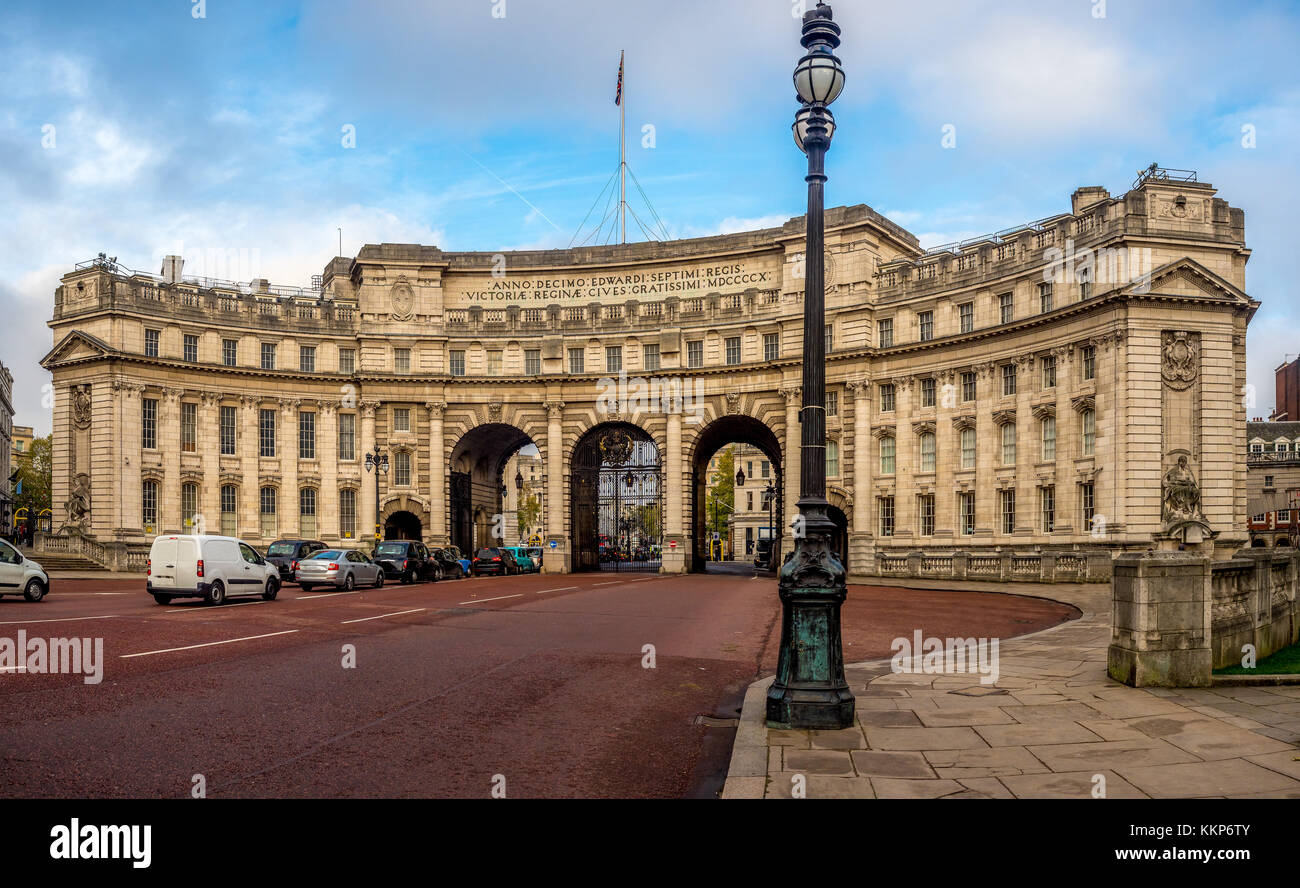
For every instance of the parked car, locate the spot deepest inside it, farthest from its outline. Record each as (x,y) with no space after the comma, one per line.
(465,563)
(496,561)
(452,566)
(209,567)
(523,560)
(535,553)
(285,555)
(763,554)
(407,561)
(18,573)
(346,568)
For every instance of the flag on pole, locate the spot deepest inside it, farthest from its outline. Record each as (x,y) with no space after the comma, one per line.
(618,94)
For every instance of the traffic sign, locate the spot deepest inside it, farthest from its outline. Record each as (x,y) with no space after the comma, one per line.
(672,544)
(555,544)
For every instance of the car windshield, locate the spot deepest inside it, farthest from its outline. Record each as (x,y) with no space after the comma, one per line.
(282,548)
(486,553)
(327,555)
(391,549)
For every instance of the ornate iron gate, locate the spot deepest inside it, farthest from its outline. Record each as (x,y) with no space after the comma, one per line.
(618,505)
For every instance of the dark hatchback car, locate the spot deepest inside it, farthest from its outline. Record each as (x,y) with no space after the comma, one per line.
(285,555)
(408,561)
(494,561)
(452,569)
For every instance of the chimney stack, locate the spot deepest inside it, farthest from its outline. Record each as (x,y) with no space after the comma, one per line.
(171,269)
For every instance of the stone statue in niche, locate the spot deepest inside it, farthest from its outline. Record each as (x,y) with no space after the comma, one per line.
(77,505)
(1181,510)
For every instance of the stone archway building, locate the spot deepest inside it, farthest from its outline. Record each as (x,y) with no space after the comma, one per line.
(1019,394)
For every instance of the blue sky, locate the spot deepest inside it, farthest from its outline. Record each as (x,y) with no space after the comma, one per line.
(221,136)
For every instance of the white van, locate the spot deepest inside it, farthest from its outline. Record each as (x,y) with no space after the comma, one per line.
(208,567)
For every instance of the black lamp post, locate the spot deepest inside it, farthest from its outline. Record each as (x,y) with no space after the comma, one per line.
(810,690)
(377,461)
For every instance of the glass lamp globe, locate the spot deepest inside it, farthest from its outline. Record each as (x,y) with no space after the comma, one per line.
(801,118)
(819,77)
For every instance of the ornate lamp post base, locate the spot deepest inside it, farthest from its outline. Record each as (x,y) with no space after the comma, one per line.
(810,690)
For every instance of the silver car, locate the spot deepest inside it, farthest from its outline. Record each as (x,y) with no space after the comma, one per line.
(346,568)
(19,574)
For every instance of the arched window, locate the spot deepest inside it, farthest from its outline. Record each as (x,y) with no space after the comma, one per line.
(149,506)
(886,455)
(307,511)
(267,498)
(229,501)
(927,451)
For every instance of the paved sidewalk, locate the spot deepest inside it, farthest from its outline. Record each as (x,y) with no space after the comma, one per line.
(1051,723)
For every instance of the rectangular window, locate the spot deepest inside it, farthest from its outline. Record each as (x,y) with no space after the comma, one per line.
(830,338)
(967,312)
(266,507)
(151,343)
(968,390)
(1007,307)
(306,435)
(927,451)
(1049,438)
(307,358)
(1089,354)
(968,448)
(1088,504)
(966,506)
(928,387)
(494,362)
(149,505)
(348,513)
(613,358)
(227,424)
(1008,380)
(456,362)
(1085,283)
(401,419)
(189,504)
(888,397)
(533,361)
(1008,509)
(766,468)
(886,516)
(347,436)
(268,355)
(695,353)
(401,360)
(650,356)
(1045,296)
(229,352)
(402,468)
(189,427)
(733,349)
(307,512)
(191,346)
(832,403)
(1088,419)
(832,459)
(885,329)
(577,360)
(925,510)
(266,433)
(229,527)
(771,346)
(927,325)
(886,455)
(1049,371)
(1047,496)
(1009,444)
(347,360)
(149,423)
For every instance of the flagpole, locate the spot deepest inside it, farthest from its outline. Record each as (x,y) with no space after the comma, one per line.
(622,153)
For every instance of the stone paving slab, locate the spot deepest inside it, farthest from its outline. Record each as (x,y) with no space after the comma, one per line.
(1053,725)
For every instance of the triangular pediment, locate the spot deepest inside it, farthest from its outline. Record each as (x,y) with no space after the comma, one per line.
(77,346)
(1189,279)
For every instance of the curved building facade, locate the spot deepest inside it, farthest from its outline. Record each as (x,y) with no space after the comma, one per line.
(1023,394)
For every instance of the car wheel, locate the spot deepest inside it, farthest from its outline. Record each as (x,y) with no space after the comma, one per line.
(306,587)
(408,578)
(379,580)
(272,589)
(348,583)
(35,590)
(216,594)
(162,599)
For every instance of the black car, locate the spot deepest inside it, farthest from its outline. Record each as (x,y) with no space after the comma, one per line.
(407,560)
(285,555)
(451,566)
(495,561)
(763,555)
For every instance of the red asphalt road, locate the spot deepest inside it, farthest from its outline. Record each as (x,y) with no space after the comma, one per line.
(536,678)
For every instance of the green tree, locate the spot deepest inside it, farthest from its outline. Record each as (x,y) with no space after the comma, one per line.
(529,512)
(722,492)
(36,474)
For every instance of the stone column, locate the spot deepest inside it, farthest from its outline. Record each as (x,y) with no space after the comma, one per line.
(327,450)
(906,463)
(366,505)
(861,533)
(169,442)
(790,471)
(438,475)
(1069,445)
(287,449)
(1028,443)
(209,435)
(988,452)
(249,520)
(558,559)
(675,558)
(947,458)
(129,488)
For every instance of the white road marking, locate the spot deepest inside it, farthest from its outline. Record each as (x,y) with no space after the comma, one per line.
(381,616)
(61,620)
(499,598)
(191,647)
(610,583)
(561,589)
(325,595)
(210,610)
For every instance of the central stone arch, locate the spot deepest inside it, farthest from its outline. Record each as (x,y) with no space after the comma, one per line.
(476,501)
(733,428)
(617,508)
